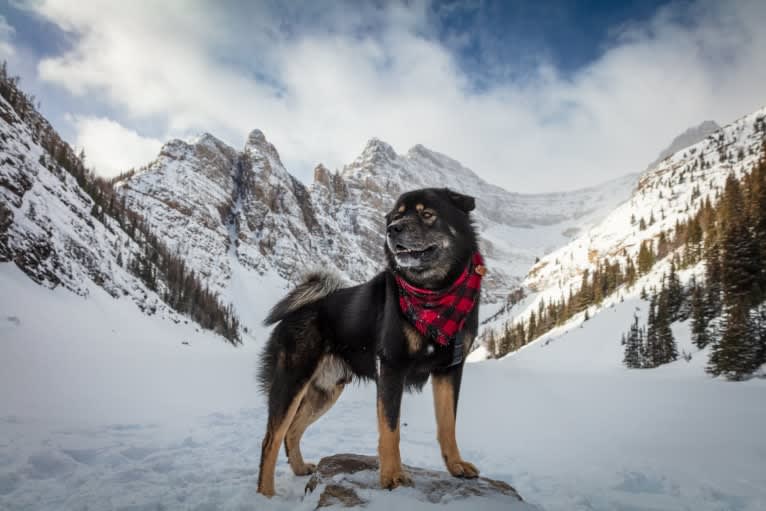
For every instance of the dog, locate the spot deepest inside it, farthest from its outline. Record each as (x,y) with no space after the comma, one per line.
(414,320)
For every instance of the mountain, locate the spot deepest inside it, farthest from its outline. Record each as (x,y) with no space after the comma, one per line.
(667,195)
(240,211)
(62,226)
(237,214)
(48,229)
(689,137)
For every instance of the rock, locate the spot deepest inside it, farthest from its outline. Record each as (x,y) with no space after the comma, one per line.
(351,480)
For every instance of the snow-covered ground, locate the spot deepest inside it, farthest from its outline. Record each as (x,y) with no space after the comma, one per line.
(102,407)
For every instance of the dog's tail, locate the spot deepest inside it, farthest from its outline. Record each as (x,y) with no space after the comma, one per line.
(314,286)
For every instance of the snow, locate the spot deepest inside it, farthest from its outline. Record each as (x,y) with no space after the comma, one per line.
(666,192)
(103,407)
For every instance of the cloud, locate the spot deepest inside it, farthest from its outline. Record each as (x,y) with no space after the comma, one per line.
(111,148)
(321,81)
(6,34)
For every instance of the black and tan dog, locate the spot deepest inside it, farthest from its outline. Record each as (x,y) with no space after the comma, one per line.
(326,335)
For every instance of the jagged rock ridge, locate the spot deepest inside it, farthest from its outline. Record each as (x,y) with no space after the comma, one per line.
(222,207)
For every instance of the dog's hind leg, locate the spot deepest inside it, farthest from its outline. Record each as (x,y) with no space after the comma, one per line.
(446,388)
(278,423)
(315,403)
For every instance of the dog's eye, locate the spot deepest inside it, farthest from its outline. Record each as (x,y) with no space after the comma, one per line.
(427,215)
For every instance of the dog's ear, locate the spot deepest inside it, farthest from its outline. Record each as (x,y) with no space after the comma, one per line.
(390,216)
(464,202)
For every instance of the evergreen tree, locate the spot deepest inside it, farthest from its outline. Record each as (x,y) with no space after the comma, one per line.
(645,257)
(736,355)
(713,304)
(649,353)
(738,352)
(666,350)
(632,343)
(630,272)
(694,241)
(675,295)
(700,337)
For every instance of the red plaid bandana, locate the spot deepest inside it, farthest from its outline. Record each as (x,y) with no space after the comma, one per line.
(440,315)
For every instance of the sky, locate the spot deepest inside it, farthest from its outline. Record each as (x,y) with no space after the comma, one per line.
(533,96)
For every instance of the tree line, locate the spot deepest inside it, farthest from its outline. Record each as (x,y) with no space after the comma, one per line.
(160,269)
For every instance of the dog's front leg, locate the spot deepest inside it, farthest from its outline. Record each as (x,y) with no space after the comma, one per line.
(390,388)
(446,388)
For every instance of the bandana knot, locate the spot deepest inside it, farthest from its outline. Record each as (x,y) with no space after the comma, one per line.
(440,315)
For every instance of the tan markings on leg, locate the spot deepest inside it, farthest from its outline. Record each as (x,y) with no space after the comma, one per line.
(414,339)
(275,434)
(444,406)
(467,342)
(315,403)
(392,474)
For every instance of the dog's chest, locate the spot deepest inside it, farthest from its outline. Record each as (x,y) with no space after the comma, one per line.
(421,349)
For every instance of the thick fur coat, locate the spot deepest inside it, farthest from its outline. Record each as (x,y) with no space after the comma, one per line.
(327,335)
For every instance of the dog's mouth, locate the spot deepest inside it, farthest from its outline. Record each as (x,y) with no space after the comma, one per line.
(414,257)
(416,253)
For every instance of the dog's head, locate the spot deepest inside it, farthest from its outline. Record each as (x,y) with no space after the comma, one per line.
(429,236)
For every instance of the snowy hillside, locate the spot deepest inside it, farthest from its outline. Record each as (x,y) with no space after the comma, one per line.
(102,407)
(49,230)
(671,192)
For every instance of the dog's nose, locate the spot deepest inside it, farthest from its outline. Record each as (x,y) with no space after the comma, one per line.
(394,229)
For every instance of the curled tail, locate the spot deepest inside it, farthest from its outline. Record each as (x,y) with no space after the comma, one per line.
(314,286)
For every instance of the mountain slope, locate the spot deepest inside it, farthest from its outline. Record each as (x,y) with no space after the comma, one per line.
(669,193)
(63,226)
(49,231)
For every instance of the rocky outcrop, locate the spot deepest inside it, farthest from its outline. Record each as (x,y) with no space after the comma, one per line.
(351,480)
(689,137)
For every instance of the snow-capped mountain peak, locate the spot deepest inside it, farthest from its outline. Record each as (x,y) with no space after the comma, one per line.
(689,137)
(375,154)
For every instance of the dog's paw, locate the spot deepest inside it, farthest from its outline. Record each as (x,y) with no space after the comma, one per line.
(395,479)
(462,468)
(305,469)
(266,491)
